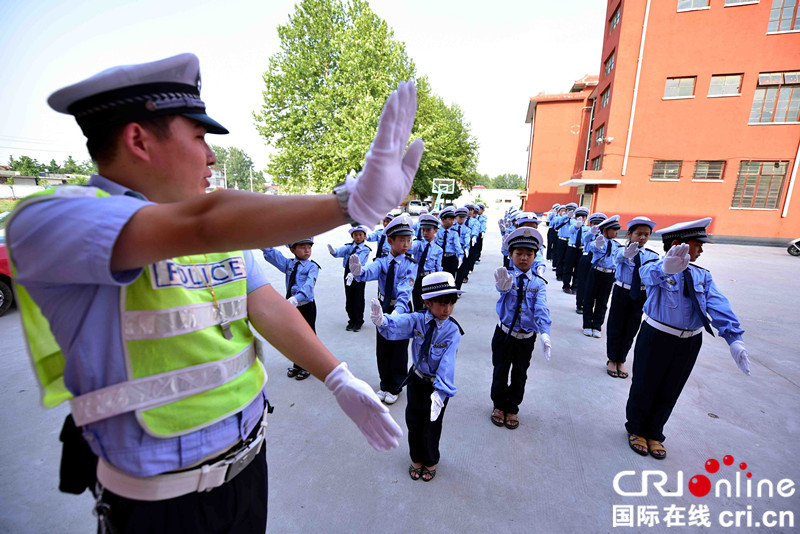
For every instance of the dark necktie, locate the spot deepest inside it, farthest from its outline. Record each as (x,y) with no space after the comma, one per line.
(424,352)
(380,253)
(636,281)
(688,290)
(424,257)
(292,279)
(444,245)
(518,305)
(388,289)
(608,249)
(347,258)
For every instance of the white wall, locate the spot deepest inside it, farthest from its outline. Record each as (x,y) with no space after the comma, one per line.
(18,191)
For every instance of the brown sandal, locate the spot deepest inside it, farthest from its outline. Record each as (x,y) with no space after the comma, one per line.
(414,472)
(512,421)
(428,474)
(638,444)
(498,417)
(656,449)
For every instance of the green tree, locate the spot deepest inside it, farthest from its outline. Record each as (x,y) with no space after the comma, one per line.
(484,180)
(71,166)
(238,165)
(53,166)
(509,181)
(87,167)
(26,166)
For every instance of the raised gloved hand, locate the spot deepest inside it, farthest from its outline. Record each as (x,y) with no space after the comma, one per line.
(376,312)
(578,222)
(503,279)
(739,354)
(631,250)
(437,403)
(546,346)
(595,230)
(355,265)
(676,259)
(600,241)
(502,225)
(541,269)
(362,405)
(293,301)
(389,168)
(331,249)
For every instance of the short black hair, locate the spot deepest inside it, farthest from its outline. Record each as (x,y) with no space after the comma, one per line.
(102,144)
(449,298)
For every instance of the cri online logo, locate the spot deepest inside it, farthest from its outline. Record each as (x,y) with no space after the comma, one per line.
(700,485)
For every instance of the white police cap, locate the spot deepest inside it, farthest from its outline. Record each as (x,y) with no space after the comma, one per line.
(428,221)
(308,240)
(130,93)
(526,217)
(686,231)
(597,217)
(524,237)
(462,212)
(400,225)
(447,212)
(439,283)
(641,219)
(359,228)
(611,223)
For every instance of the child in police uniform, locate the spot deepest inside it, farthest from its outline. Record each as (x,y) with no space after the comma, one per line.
(585,263)
(301,276)
(436,337)
(601,275)
(628,295)
(354,292)
(573,251)
(447,238)
(523,312)
(680,298)
(395,274)
(379,235)
(427,254)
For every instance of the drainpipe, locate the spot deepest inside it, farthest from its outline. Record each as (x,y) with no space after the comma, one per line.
(636,88)
(791,183)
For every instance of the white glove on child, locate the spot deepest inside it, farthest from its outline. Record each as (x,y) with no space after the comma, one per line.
(600,241)
(739,354)
(292,301)
(541,269)
(503,279)
(355,265)
(376,312)
(437,403)
(389,168)
(362,405)
(331,249)
(502,225)
(578,222)
(348,279)
(676,259)
(546,346)
(595,230)
(631,250)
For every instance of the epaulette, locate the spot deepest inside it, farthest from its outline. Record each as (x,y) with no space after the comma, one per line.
(650,261)
(653,251)
(315,263)
(411,258)
(695,265)
(367,247)
(458,325)
(539,276)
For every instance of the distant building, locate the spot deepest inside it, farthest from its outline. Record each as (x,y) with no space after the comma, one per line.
(216,180)
(696,113)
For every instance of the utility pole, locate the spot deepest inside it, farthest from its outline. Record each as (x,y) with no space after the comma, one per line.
(251,178)
(225,173)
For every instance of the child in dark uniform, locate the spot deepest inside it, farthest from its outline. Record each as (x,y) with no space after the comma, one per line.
(353,292)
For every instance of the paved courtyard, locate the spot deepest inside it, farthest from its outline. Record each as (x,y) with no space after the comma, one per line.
(553,474)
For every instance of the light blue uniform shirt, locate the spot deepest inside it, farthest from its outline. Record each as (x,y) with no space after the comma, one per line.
(625,266)
(474,226)
(405,272)
(376,236)
(433,261)
(362,251)
(482,219)
(667,304)
(453,245)
(442,361)
(577,235)
(306,277)
(587,236)
(62,249)
(464,236)
(603,258)
(535,315)
(566,229)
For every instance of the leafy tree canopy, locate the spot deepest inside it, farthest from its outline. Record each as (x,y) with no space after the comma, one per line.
(238,166)
(28,166)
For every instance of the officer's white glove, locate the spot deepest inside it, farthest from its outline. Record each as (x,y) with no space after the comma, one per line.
(546,346)
(578,222)
(292,301)
(437,403)
(395,312)
(376,312)
(355,265)
(473,241)
(348,279)
(502,225)
(595,230)
(362,405)
(676,259)
(331,249)
(631,250)
(389,168)
(739,354)
(503,279)
(541,269)
(600,241)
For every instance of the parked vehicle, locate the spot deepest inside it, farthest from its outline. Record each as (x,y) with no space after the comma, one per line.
(794,247)
(414,207)
(6,295)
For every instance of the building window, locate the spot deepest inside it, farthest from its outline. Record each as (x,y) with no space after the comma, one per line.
(599,134)
(609,63)
(596,163)
(708,170)
(614,20)
(604,98)
(725,85)
(666,170)
(679,87)
(759,184)
(783,16)
(684,5)
(777,98)
(738,2)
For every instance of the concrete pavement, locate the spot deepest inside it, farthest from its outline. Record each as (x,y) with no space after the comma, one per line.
(553,474)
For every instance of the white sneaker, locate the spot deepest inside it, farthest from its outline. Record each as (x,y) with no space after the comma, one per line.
(587,332)
(595,333)
(381,394)
(390,399)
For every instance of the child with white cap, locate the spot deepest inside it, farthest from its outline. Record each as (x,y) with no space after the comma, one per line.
(574,250)
(447,238)
(427,254)
(680,298)
(601,276)
(585,263)
(628,295)
(379,235)
(436,336)
(523,312)
(353,292)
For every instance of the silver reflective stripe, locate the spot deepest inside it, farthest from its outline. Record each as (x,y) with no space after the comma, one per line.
(157,324)
(158,390)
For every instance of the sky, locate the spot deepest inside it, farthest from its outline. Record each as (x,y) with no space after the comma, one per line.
(488,60)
